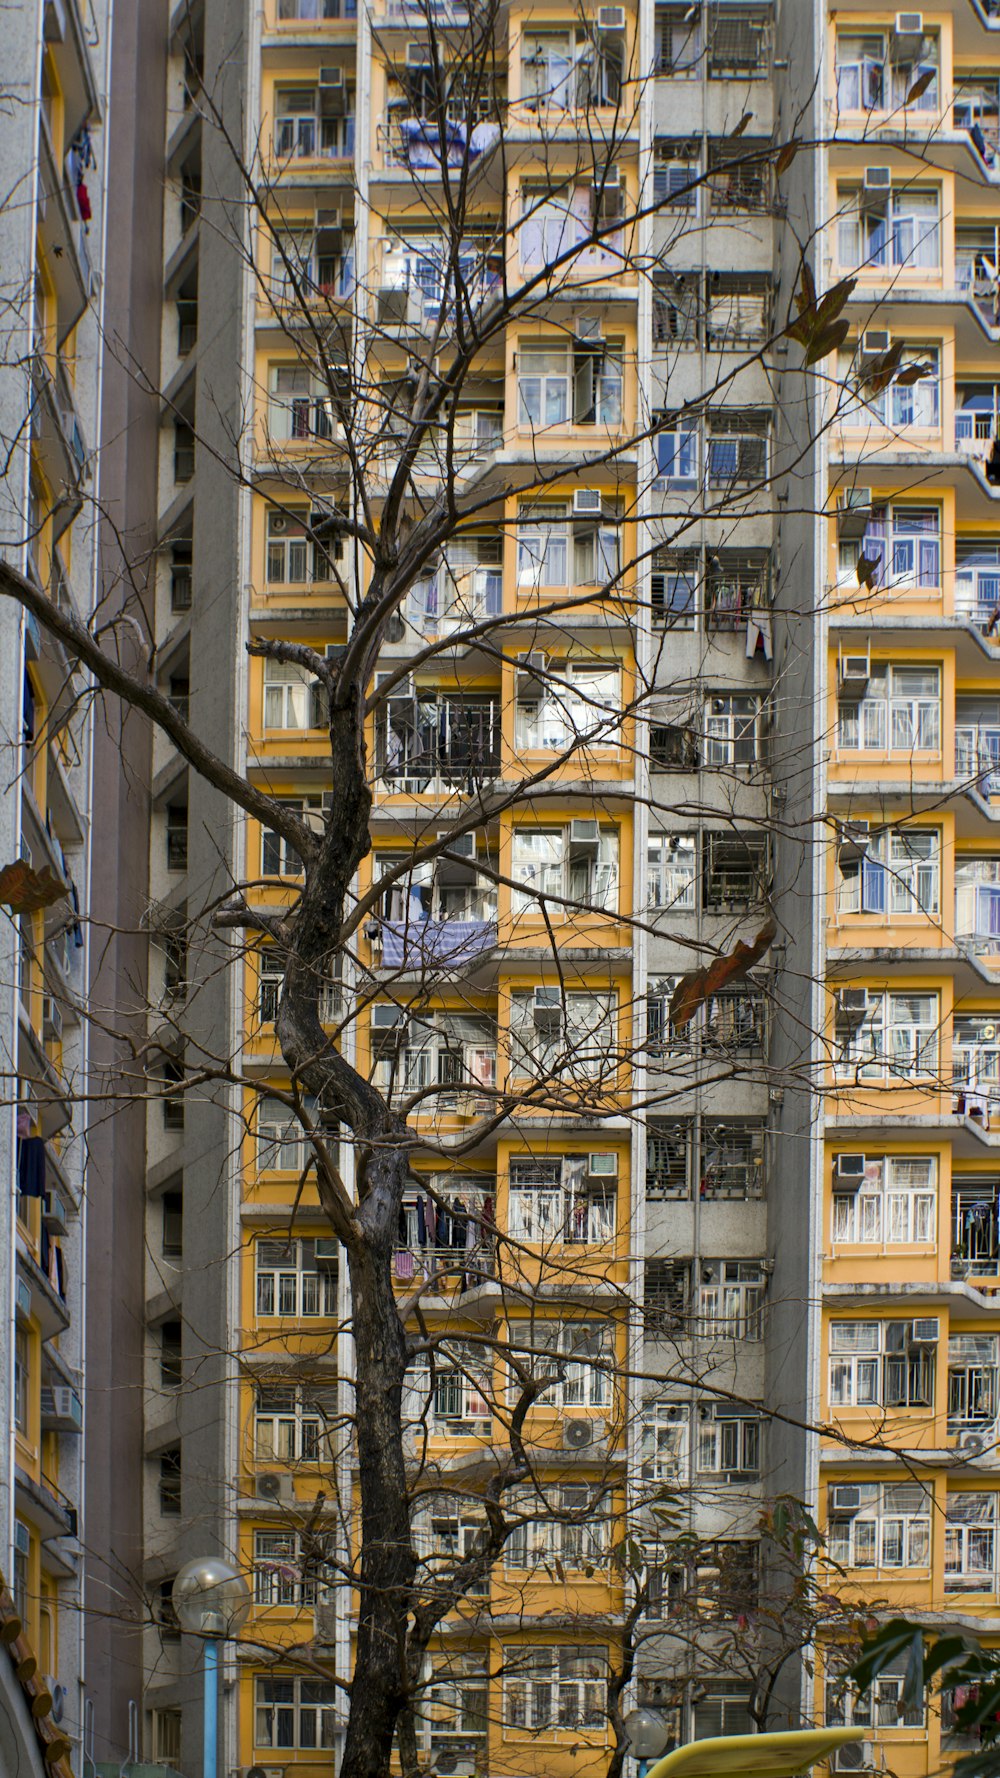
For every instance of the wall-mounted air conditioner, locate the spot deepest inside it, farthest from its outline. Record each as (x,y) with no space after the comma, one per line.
(845,1497)
(852,1005)
(854,672)
(875,342)
(387,1018)
(848,1170)
(584,834)
(603,1164)
(463,845)
(582,1435)
(926,1330)
(854,510)
(611,18)
(279,1489)
(587,503)
(52,1019)
(326,1249)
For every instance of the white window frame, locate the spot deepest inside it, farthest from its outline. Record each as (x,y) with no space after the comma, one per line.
(970,1541)
(893,1207)
(871,1363)
(672,872)
(581,702)
(308,1720)
(733,730)
(890,1530)
(583,1041)
(289,1284)
(554,1690)
(727,1445)
(898,1038)
(297,1430)
(550,1345)
(560,1205)
(278,1572)
(899,876)
(571,1534)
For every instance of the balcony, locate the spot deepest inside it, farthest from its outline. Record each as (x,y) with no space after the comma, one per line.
(415,144)
(431,747)
(977,595)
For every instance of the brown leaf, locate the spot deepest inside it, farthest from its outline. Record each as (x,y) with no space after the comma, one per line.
(745,120)
(694,988)
(24,890)
(867,570)
(826,341)
(786,156)
(808,300)
(920,86)
(832,303)
(801,330)
(914,373)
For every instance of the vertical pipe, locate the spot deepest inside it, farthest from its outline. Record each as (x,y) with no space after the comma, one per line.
(209,1761)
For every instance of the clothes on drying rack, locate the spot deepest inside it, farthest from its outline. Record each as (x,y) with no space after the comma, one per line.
(31,1167)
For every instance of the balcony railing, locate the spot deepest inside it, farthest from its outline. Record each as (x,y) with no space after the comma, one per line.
(975,430)
(416,144)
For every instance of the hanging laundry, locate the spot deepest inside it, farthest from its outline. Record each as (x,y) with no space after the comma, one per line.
(458,1221)
(421,1222)
(404,1263)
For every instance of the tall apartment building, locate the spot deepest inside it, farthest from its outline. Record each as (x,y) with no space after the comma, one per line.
(52,253)
(794,1191)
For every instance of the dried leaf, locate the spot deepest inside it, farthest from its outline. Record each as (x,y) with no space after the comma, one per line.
(914,373)
(786,156)
(920,86)
(745,120)
(24,890)
(694,988)
(832,303)
(826,341)
(867,569)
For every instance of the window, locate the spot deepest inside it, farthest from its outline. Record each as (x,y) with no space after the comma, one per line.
(737,448)
(453,1394)
(672,747)
(676,445)
(293,557)
(290,1280)
(558,1199)
(901,404)
(677,180)
(563,1528)
(673,589)
(294,1713)
(558,225)
(164,1613)
(170,1482)
(735,872)
(860,65)
(172,1223)
(570,69)
(306,264)
(166,1737)
(466,587)
(177,836)
(880,1364)
(970,1554)
(293,1422)
(671,871)
(278,856)
(22,1381)
(678,40)
(668,1152)
(288,1569)
(975,1218)
(977,902)
(740,177)
(428,738)
(897,1035)
(299,408)
(738,41)
(554,1688)
(895,1204)
(453,1712)
(722,1707)
(905,542)
(282,1144)
(730,1299)
(732,1158)
(563,1033)
(666,1291)
(972,1381)
(316,10)
(448,1530)
(889,1528)
(557,384)
(737,309)
(665,1430)
(171,1347)
(728,1442)
(899,873)
(899,713)
(879,1707)
(554,863)
(576,1355)
(290,696)
(732,730)
(901,229)
(718,1582)
(573,702)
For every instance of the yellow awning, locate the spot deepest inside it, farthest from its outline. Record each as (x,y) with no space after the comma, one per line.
(764,1756)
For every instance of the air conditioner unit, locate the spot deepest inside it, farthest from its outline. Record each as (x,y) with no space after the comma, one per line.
(611,18)
(262,1771)
(325,1626)
(582,1435)
(274,1487)
(399,307)
(926,1330)
(547,1006)
(531,670)
(854,1756)
(584,834)
(852,1004)
(878,180)
(418,55)
(462,846)
(456,1759)
(849,1169)
(854,674)
(603,1164)
(326,1249)
(909,24)
(57,1693)
(854,510)
(972,1442)
(387,1018)
(332,92)
(587,503)
(875,342)
(54,1213)
(589,330)
(62,1410)
(22,1301)
(852,841)
(52,1021)
(845,1497)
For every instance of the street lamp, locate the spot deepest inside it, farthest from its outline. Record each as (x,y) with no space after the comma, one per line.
(211,1599)
(648,1735)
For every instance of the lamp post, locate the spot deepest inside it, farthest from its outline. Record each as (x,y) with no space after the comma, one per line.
(648,1735)
(211,1600)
